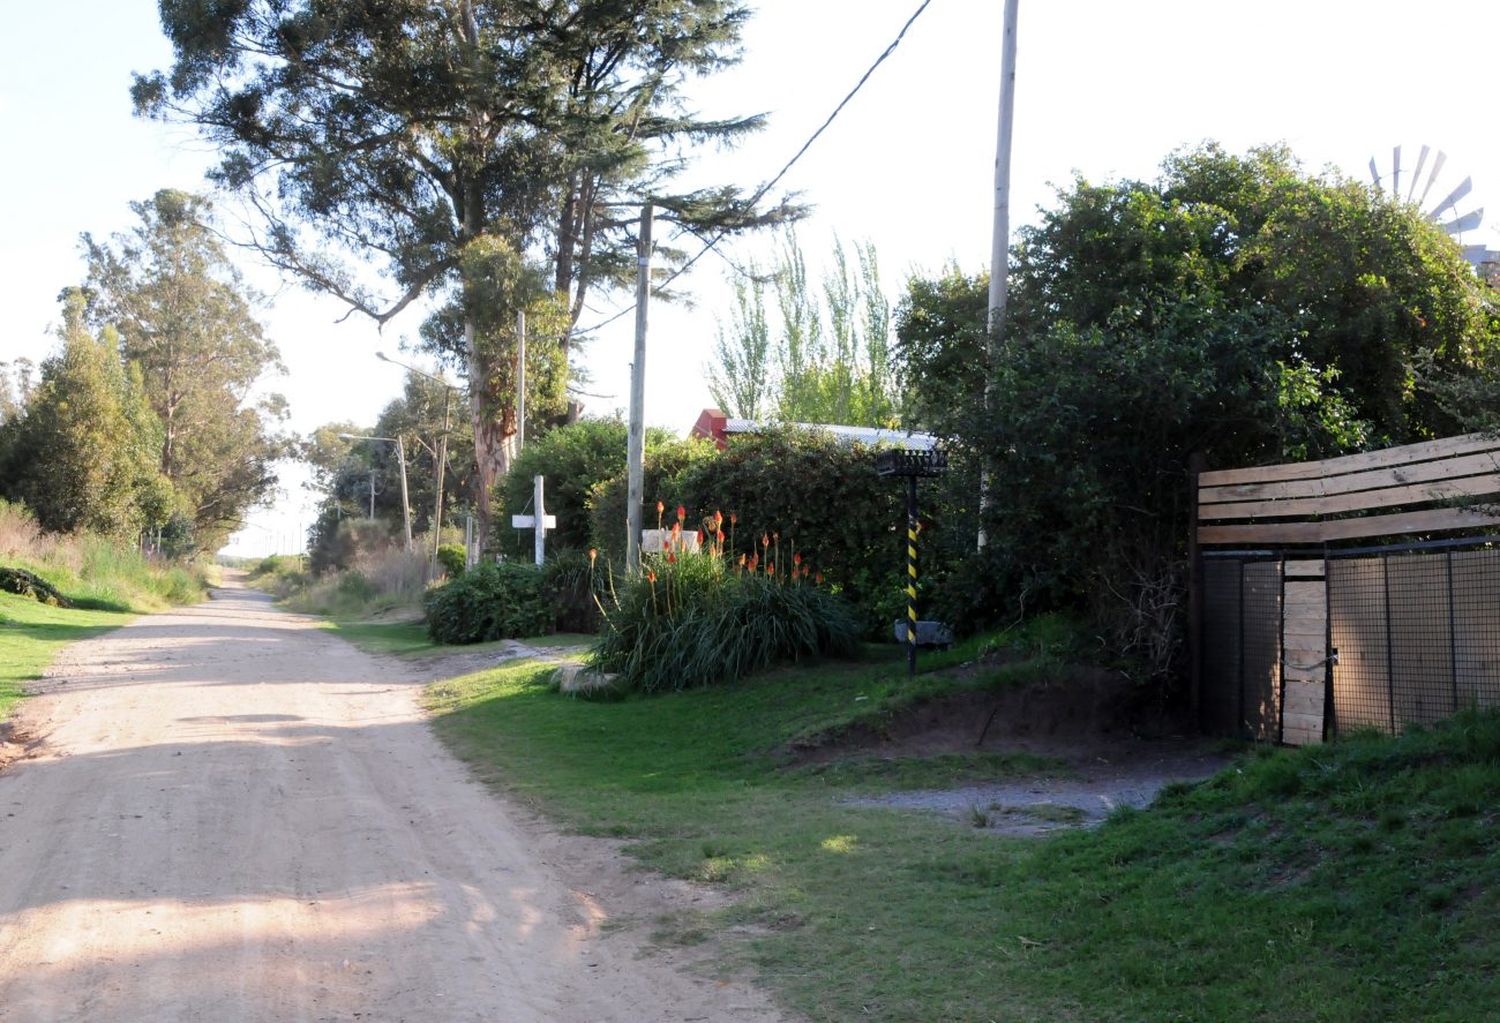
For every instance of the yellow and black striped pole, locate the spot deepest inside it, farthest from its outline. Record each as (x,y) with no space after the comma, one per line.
(911,575)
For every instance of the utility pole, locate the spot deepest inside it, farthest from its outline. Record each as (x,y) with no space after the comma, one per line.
(442,474)
(636,451)
(999,245)
(405,501)
(520,379)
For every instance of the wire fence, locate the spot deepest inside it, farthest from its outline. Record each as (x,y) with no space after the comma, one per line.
(1416,632)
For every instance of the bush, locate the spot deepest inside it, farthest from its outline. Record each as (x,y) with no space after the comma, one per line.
(701,620)
(454,558)
(569,582)
(490,601)
(663,464)
(574,459)
(825,500)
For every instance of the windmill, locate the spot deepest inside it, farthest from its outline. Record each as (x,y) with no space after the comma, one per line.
(1445,212)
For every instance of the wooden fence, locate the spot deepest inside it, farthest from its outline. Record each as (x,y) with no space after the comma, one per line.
(1344,638)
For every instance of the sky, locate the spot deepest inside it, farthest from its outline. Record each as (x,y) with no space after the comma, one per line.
(1104,89)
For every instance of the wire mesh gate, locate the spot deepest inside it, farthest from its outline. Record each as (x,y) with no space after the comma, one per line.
(1413,636)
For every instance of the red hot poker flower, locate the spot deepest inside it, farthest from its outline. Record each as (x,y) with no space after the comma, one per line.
(734,519)
(660,507)
(719,536)
(671,557)
(681,513)
(797,559)
(818,578)
(593,554)
(765,541)
(651,577)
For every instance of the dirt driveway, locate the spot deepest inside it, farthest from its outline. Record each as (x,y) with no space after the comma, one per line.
(235,816)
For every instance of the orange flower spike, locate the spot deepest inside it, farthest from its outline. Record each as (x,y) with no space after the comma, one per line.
(765,541)
(742,559)
(797,558)
(681,513)
(593,556)
(660,507)
(818,578)
(734,519)
(719,536)
(770,568)
(718,519)
(651,578)
(671,557)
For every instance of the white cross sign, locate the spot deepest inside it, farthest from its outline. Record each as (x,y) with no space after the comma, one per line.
(532,521)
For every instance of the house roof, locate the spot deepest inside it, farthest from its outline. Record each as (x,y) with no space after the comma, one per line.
(713,423)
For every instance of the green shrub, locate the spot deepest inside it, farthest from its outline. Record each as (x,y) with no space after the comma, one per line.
(574,459)
(454,559)
(663,464)
(569,584)
(700,619)
(490,601)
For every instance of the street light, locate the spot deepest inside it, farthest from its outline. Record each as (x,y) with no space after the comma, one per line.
(401,457)
(441,470)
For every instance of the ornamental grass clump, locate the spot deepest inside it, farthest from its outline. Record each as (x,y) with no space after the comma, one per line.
(698,618)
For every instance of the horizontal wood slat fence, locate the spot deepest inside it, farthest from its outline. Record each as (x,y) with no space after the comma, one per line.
(1432,487)
(1297,634)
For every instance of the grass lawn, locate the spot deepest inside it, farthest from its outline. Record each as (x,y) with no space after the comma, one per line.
(30,635)
(1356,882)
(410,639)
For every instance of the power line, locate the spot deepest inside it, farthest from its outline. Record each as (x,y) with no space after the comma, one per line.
(760,194)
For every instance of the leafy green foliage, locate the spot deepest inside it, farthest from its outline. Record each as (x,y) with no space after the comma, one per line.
(84,455)
(697,619)
(445,146)
(1239,308)
(828,358)
(575,459)
(822,498)
(490,601)
(453,557)
(664,461)
(185,317)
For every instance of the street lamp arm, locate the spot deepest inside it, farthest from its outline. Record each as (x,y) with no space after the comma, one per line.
(419,372)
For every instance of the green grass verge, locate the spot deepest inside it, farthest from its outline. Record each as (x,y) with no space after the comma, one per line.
(31,634)
(410,639)
(1356,882)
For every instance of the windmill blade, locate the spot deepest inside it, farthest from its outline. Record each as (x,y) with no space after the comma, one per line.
(1396,172)
(1464,188)
(1467,222)
(1437,168)
(1374,173)
(1421,159)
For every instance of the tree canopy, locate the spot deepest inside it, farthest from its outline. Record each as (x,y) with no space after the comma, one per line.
(822,356)
(185,318)
(1239,307)
(495,147)
(83,453)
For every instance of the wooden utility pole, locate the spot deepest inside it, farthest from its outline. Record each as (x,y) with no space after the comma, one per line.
(520,379)
(405,500)
(999,244)
(636,451)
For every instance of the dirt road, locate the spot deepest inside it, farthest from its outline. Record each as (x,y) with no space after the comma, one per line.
(235,816)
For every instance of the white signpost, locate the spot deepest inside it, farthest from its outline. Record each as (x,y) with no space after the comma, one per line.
(539,520)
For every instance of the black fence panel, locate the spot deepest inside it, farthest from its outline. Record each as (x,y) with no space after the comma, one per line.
(1241,647)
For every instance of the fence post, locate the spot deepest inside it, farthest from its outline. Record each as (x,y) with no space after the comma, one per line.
(1390,659)
(1196,463)
(1452,635)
